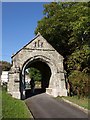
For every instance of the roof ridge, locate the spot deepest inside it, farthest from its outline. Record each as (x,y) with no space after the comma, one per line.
(38,34)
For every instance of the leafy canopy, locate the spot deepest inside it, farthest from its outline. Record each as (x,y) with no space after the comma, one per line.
(5,65)
(34,73)
(66,25)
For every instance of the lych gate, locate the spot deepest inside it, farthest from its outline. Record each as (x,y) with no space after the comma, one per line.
(40,54)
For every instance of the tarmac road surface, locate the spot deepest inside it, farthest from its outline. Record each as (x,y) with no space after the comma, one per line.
(45,106)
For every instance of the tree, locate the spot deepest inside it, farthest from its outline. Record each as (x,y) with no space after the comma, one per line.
(34,73)
(66,26)
(5,65)
(79,60)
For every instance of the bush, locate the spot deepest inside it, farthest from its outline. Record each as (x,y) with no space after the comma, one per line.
(79,81)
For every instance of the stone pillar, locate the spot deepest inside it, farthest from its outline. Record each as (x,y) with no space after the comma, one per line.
(62,91)
(51,82)
(16,87)
(10,83)
(14,83)
(57,86)
(22,86)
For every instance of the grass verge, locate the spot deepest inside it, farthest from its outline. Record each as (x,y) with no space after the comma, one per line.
(14,108)
(83,102)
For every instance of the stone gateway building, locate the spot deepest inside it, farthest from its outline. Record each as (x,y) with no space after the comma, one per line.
(38,53)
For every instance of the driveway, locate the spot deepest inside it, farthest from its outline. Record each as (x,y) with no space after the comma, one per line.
(45,106)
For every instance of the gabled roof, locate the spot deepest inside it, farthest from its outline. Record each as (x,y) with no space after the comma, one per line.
(32,41)
(26,44)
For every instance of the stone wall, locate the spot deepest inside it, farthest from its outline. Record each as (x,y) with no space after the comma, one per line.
(37,49)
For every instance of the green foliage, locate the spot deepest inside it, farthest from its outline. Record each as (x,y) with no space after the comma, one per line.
(66,25)
(5,65)
(79,59)
(80,83)
(35,74)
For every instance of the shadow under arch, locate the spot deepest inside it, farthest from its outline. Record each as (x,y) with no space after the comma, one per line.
(43,66)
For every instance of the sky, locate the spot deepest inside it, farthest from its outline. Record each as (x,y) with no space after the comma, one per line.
(19,20)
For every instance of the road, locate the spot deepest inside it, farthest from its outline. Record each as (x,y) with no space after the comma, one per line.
(45,106)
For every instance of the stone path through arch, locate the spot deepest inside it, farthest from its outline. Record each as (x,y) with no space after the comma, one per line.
(45,106)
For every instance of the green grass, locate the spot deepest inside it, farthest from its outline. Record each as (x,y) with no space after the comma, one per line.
(83,102)
(0,103)
(14,108)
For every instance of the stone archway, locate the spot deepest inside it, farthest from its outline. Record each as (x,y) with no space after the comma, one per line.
(39,53)
(43,66)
